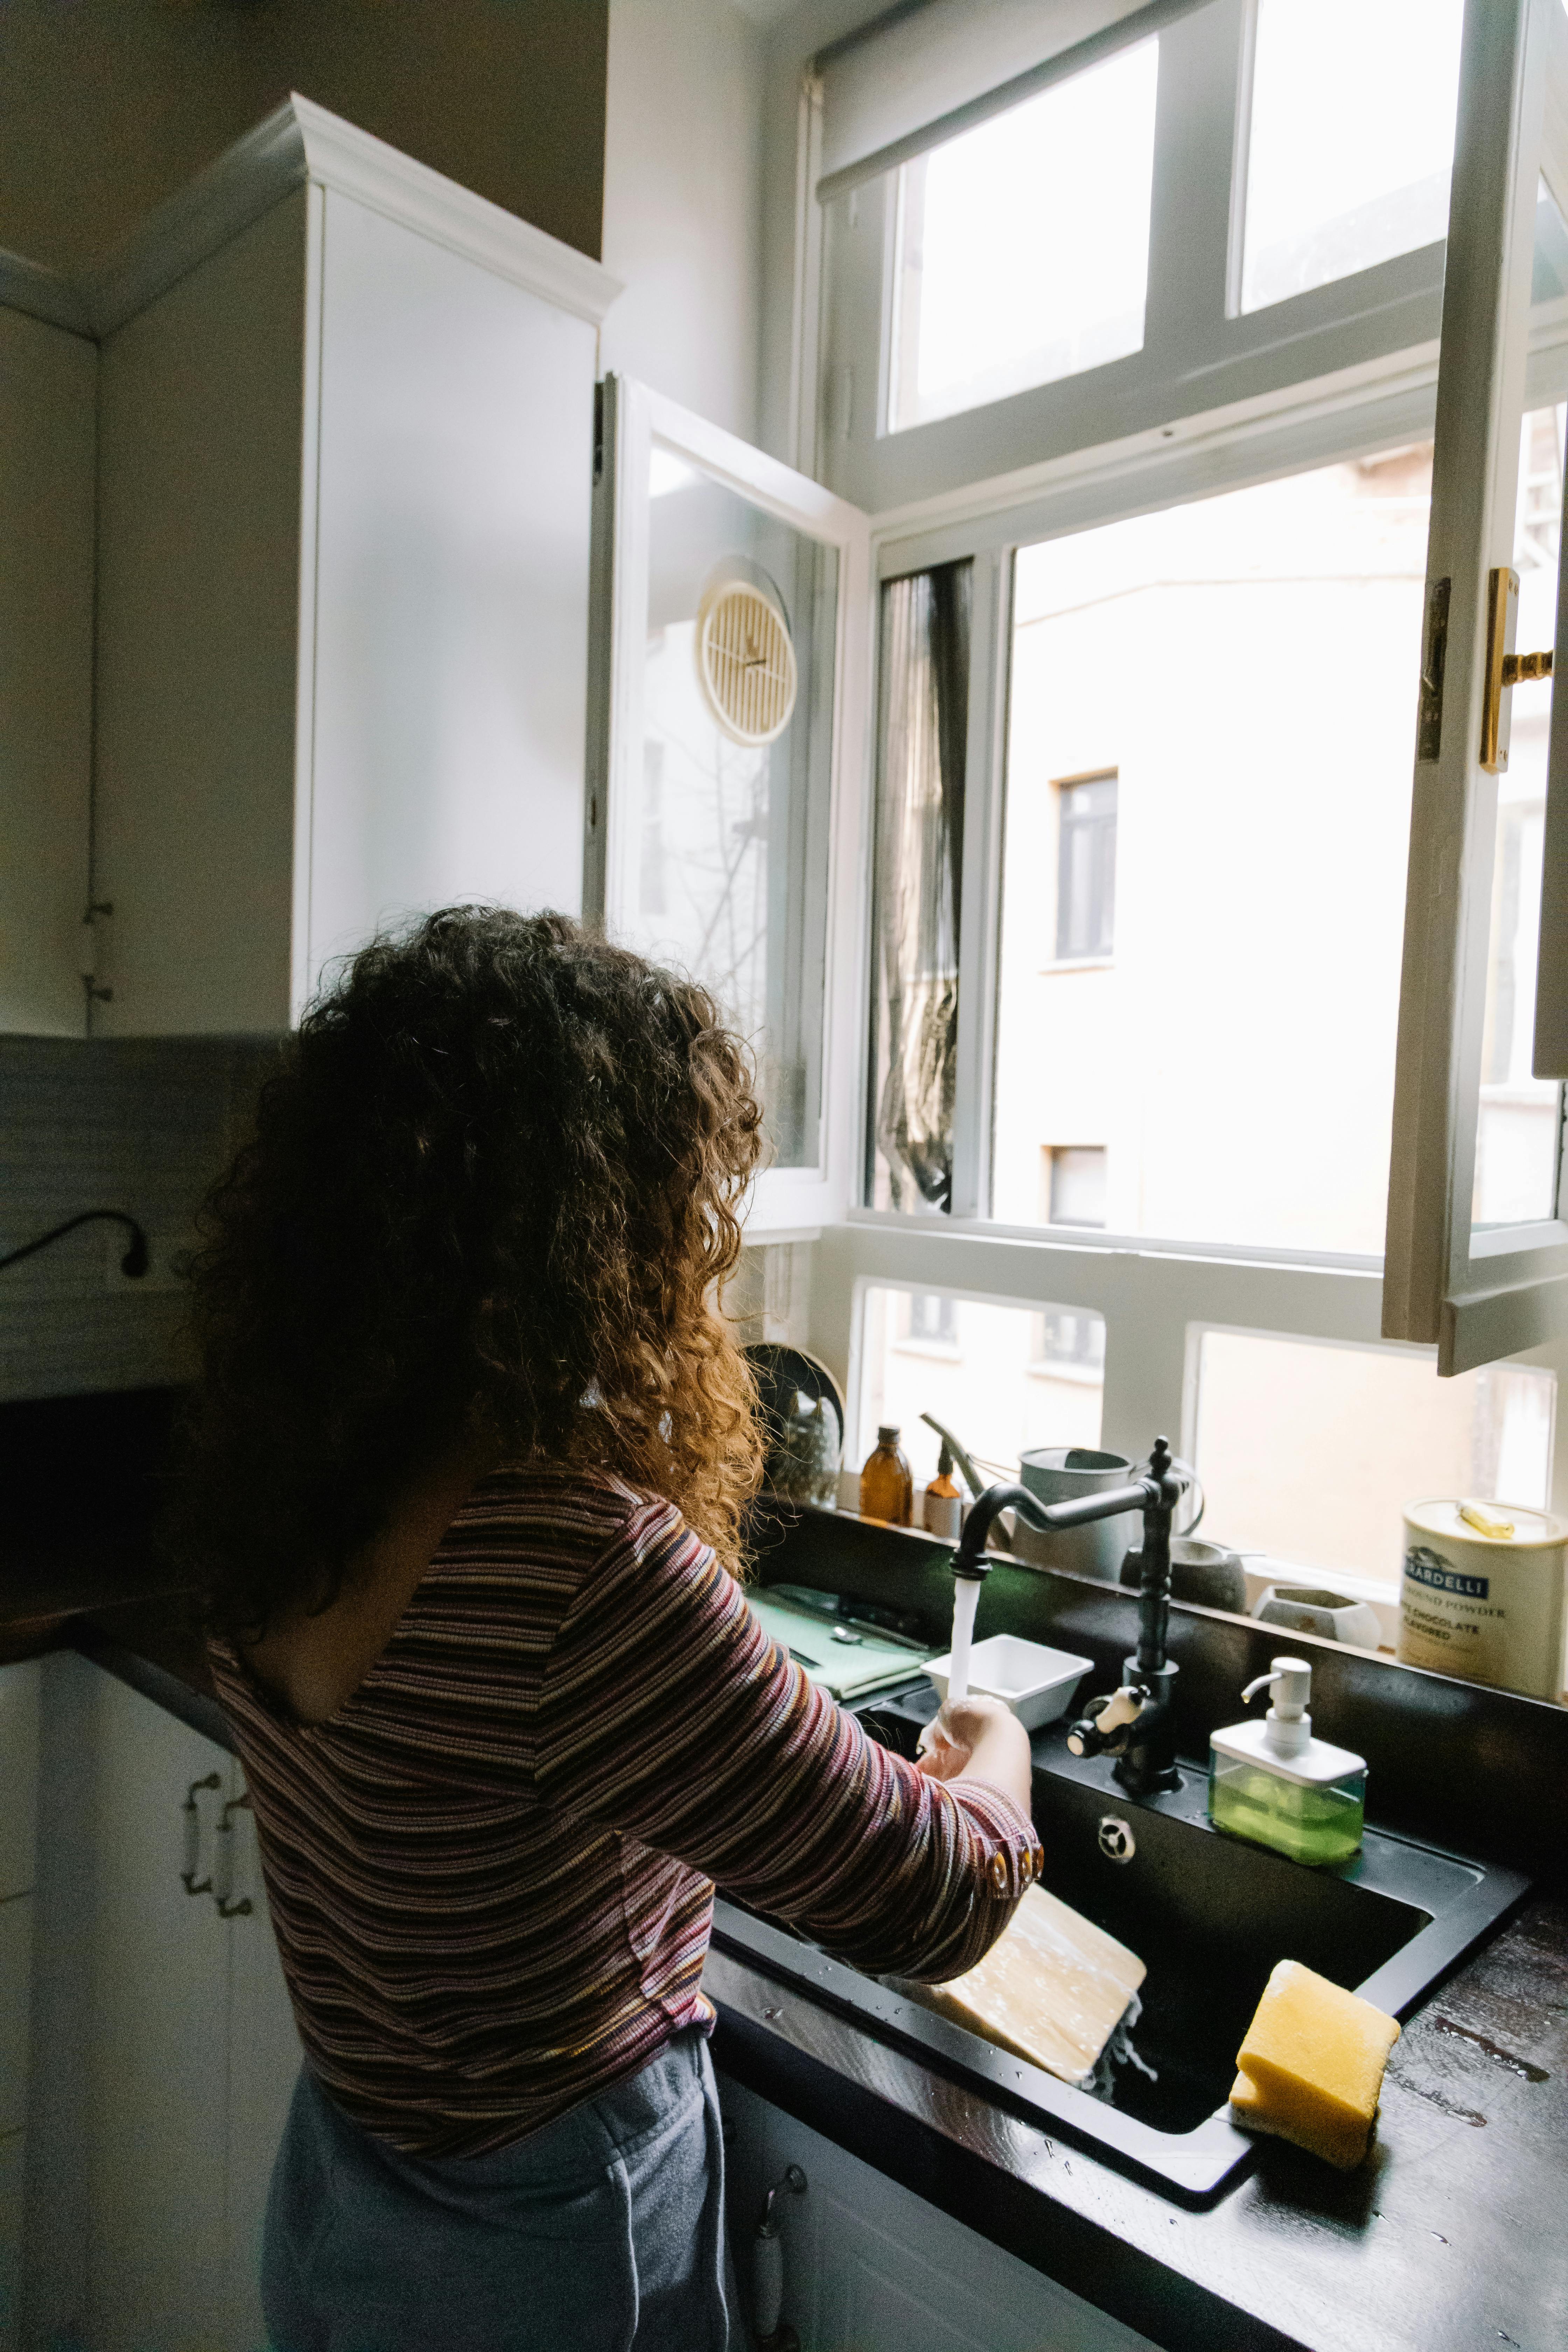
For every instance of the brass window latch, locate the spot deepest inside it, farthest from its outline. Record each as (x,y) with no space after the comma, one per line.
(1505,668)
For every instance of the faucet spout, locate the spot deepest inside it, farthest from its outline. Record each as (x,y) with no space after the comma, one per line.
(1144,1740)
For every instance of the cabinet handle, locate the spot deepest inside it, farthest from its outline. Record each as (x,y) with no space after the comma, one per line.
(192,1826)
(223,1866)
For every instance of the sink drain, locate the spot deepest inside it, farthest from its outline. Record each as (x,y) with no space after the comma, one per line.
(1117,1842)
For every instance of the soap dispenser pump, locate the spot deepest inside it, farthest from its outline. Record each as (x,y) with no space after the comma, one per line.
(1274,1783)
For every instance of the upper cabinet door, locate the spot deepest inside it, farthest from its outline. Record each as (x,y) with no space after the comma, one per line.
(727,758)
(1478,1238)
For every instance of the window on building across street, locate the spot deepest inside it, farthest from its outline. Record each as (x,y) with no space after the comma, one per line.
(1004,1379)
(1065,1336)
(1086,866)
(1075,1183)
(931,1320)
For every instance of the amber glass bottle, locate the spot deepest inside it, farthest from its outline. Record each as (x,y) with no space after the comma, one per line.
(943,1505)
(887,1488)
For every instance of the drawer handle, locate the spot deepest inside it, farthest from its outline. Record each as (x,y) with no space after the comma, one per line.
(223,1866)
(192,1827)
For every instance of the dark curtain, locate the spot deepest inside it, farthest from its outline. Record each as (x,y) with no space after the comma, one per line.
(923,736)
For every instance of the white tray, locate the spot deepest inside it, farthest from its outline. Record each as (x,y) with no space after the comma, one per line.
(1037,1682)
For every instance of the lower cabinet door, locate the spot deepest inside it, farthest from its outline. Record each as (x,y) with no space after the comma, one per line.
(868,2267)
(157,2035)
(188,2052)
(264,2063)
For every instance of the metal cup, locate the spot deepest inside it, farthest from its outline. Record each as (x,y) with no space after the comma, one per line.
(1064,1473)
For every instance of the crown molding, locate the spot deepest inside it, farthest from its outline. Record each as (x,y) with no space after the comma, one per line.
(343,157)
(43,294)
(246,181)
(302,141)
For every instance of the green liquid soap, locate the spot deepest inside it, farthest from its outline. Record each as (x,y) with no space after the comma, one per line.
(1317,1825)
(1274,1783)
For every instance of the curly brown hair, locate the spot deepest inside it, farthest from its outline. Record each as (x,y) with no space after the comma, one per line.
(491,1197)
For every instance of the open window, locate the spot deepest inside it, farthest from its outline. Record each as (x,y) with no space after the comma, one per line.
(1148,994)
(724,815)
(1477,1255)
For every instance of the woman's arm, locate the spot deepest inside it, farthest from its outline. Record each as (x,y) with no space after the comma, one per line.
(980,1739)
(669,1715)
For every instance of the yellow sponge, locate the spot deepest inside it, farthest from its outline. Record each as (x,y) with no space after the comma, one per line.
(1311,2066)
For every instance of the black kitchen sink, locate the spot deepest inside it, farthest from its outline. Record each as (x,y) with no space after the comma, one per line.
(1208,1914)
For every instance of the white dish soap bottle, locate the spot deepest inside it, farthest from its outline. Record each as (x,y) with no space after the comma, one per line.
(1274,1783)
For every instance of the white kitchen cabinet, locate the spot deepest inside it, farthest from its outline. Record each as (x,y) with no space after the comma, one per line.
(160,2091)
(869,2267)
(346,416)
(47,398)
(18,1807)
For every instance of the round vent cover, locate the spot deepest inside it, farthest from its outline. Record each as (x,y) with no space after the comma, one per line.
(745,662)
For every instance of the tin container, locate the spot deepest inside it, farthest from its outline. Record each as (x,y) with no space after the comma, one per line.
(1488,1609)
(1067,1474)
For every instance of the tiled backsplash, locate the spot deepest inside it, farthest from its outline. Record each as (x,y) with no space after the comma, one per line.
(137,1124)
(145,1125)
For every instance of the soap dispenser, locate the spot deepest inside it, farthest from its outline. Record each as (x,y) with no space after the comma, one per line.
(1274,1783)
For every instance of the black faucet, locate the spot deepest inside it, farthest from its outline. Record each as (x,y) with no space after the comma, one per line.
(1142,1735)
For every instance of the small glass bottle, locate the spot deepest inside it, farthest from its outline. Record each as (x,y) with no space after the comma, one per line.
(943,1505)
(887,1488)
(1274,1783)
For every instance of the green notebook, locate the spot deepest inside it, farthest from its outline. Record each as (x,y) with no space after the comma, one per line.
(847,1658)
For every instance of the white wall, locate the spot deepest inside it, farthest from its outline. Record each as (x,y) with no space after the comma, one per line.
(683,203)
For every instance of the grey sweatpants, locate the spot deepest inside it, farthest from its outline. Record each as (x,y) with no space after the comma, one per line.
(603,2231)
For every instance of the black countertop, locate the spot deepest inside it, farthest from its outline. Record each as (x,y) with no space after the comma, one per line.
(1451,2239)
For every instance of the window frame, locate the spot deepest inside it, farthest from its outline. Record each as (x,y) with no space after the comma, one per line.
(1479,1293)
(785,1203)
(1338,402)
(1200,354)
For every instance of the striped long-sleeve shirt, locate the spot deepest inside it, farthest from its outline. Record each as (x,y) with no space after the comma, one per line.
(491,1872)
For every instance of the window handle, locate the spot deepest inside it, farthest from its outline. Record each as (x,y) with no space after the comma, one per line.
(193,1836)
(1505,668)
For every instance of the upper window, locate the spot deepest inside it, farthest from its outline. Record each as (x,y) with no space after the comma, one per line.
(991,296)
(1119,238)
(1351,140)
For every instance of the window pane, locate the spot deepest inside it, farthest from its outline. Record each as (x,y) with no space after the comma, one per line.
(923,740)
(1023,250)
(1003,1378)
(1244,665)
(728,864)
(1520,1115)
(1351,139)
(1310,1452)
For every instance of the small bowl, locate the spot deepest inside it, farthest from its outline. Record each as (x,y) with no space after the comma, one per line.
(1312,1609)
(1036,1681)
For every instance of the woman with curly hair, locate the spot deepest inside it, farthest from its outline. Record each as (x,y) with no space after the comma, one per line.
(464,1474)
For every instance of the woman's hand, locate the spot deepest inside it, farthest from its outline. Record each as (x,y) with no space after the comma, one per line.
(980,1739)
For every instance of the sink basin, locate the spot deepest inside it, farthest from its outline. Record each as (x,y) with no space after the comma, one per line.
(1210,1915)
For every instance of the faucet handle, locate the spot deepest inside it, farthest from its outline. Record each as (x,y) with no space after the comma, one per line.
(1097,1730)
